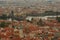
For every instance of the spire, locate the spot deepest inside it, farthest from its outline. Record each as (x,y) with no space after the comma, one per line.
(11,15)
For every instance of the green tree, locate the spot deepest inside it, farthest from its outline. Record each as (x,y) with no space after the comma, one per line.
(40,22)
(4,16)
(58,19)
(2,24)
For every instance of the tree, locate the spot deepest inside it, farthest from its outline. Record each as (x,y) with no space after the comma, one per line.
(58,19)
(2,24)
(40,22)
(4,16)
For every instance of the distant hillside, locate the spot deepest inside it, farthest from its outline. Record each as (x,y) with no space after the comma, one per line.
(47,13)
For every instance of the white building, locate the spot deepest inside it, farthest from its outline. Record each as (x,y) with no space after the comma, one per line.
(35,17)
(43,17)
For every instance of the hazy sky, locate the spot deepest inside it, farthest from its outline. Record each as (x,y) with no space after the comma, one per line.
(27,2)
(31,0)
